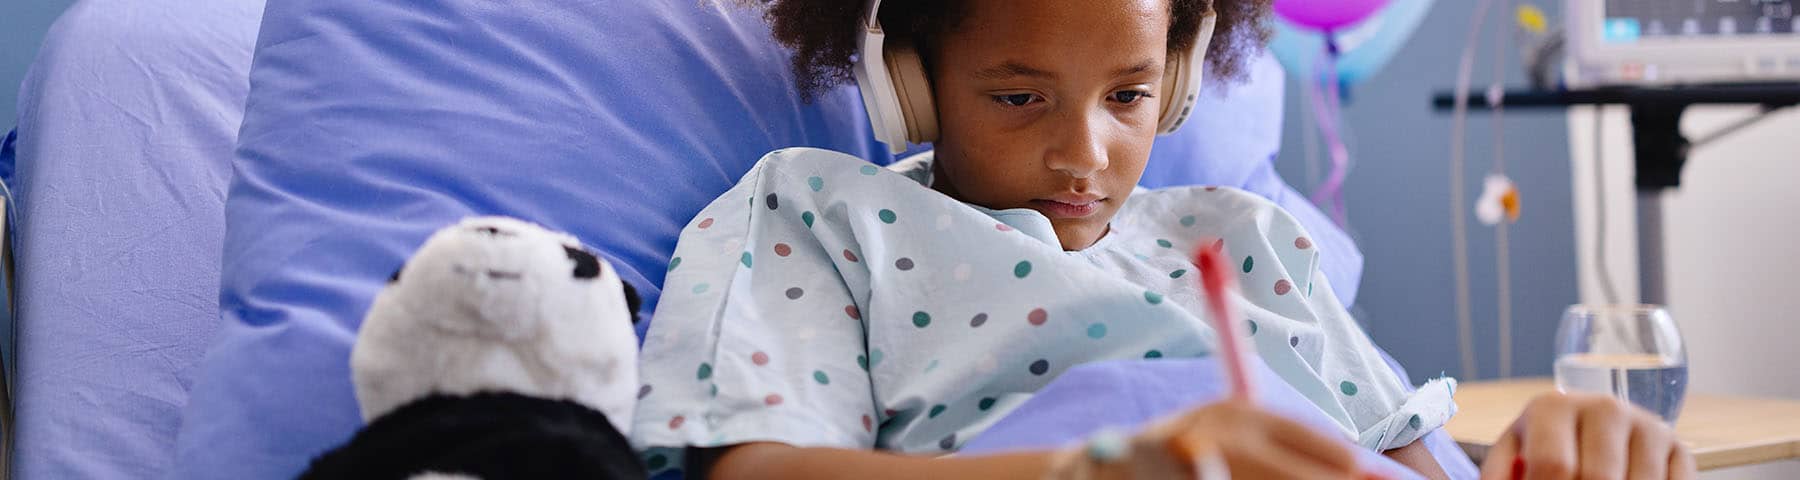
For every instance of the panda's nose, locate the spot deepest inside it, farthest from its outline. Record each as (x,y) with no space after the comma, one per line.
(490,274)
(586,264)
(500,275)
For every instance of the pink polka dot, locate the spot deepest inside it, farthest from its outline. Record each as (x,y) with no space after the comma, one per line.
(675,423)
(849,256)
(1302,243)
(1038,317)
(772,400)
(1282,287)
(1211,188)
(1002,227)
(1219,245)
(759,358)
(853,312)
(783,249)
(868,424)
(707,223)
(889,413)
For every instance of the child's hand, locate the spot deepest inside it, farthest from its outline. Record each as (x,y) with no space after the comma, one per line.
(1587,436)
(1233,435)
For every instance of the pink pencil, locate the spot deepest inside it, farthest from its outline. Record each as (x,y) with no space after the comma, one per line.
(1217,280)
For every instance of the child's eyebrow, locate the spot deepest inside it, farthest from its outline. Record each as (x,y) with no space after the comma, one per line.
(1010,69)
(1142,66)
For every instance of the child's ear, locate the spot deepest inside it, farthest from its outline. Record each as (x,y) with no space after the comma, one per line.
(632,302)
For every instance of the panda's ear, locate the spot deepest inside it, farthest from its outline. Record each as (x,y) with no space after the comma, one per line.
(395,278)
(632,301)
(587,266)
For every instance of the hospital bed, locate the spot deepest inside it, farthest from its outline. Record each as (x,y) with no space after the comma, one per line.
(175,197)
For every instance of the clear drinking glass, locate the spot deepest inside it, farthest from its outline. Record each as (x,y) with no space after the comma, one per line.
(1633,352)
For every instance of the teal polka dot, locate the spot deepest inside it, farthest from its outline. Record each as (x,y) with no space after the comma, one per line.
(705,371)
(1348,388)
(818,375)
(657,462)
(745,259)
(1164,243)
(816,183)
(936,410)
(806,218)
(1153,297)
(1153,354)
(701,288)
(1252,327)
(1187,221)
(932,366)
(1309,289)
(1414,422)
(862,361)
(674,262)
(887,216)
(1097,331)
(715,390)
(921,319)
(986,403)
(1022,269)
(869,170)
(1249,262)
(1177,273)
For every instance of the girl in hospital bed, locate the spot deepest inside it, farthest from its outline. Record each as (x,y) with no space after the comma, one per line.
(826,314)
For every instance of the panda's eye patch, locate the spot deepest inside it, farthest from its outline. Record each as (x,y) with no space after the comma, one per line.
(586,264)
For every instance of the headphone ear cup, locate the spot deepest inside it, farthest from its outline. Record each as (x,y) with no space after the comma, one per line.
(1182,79)
(913,90)
(1181,86)
(1172,82)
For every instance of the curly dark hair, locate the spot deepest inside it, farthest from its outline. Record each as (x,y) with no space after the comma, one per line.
(822,33)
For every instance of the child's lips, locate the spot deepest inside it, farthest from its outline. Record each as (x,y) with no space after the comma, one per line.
(1067,207)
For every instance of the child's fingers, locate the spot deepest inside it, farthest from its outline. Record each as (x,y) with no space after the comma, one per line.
(1502,458)
(1267,460)
(1605,434)
(1331,453)
(1681,464)
(1547,439)
(1651,454)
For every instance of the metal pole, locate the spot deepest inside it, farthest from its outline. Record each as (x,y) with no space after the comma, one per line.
(1652,288)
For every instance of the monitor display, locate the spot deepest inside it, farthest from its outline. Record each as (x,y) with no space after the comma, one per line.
(1630,21)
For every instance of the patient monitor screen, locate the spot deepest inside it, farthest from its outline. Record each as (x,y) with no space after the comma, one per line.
(1629,21)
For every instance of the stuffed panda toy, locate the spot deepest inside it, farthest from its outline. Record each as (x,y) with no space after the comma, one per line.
(501,349)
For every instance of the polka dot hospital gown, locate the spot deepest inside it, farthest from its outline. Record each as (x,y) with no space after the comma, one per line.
(828,302)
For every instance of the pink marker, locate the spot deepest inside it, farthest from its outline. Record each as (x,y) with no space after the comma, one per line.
(1218,281)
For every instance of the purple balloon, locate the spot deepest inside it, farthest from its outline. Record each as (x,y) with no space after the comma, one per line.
(1326,15)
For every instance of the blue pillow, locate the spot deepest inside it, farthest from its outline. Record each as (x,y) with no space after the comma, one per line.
(371,123)
(127,120)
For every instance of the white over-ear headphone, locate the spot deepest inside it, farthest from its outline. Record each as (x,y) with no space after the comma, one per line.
(897,93)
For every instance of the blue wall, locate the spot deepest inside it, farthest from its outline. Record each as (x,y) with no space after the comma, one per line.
(1398,195)
(22,26)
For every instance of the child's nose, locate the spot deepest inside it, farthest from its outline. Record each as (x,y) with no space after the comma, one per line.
(1078,149)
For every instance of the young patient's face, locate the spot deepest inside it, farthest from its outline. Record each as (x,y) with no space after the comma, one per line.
(1048,105)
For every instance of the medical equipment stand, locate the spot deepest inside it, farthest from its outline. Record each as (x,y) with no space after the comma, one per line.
(1660,149)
